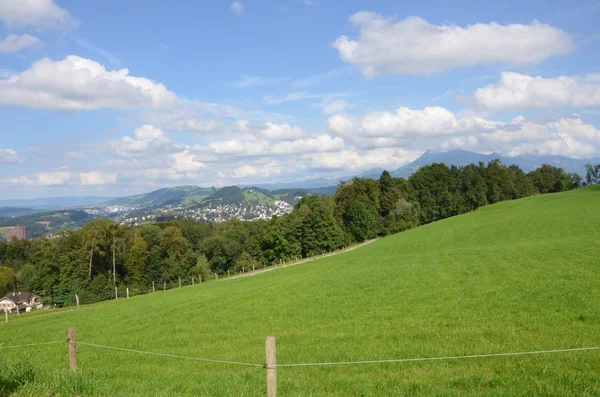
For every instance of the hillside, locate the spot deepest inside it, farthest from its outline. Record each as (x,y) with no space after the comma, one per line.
(515,276)
(182,195)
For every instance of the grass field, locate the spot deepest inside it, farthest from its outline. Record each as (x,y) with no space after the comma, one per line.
(517,276)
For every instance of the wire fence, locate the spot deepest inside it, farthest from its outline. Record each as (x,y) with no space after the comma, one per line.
(271,366)
(400,360)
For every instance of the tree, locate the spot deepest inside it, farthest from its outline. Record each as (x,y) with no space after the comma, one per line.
(434,187)
(592,174)
(360,219)
(137,257)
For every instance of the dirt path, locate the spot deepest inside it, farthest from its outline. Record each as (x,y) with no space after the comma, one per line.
(277,267)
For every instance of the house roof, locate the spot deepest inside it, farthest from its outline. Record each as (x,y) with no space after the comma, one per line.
(19,297)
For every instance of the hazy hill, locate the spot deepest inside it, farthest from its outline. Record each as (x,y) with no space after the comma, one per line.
(182,195)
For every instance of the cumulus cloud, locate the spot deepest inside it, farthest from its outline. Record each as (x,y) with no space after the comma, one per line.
(517,91)
(148,141)
(412,45)
(315,144)
(53,178)
(8,156)
(195,125)
(79,83)
(185,161)
(37,14)
(406,122)
(247,170)
(237,7)
(351,159)
(15,43)
(97,178)
(281,131)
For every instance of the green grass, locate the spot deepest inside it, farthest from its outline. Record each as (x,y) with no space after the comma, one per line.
(517,276)
(259,198)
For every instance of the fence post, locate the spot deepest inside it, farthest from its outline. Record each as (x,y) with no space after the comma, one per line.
(17,307)
(179,282)
(72,349)
(216,276)
(77,300)
(228,274)
(253,267)
(5,315)
(116,293)
(192,280)
(271,367)
(153,287)
(200,278)
(127,292)
(165,286)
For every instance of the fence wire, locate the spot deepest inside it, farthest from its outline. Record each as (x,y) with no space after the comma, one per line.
(33,344)
(169,355)
(402,360)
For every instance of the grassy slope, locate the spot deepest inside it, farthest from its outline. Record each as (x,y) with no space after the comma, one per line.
(516,276)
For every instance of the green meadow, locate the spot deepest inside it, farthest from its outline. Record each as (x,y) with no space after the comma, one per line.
(520,275)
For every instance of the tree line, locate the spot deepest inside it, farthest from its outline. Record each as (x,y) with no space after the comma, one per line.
(93,260)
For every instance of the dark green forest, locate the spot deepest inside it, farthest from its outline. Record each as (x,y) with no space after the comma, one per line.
(93,260)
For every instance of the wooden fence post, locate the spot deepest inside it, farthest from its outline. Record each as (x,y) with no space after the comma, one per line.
(165,286)
(116,293)
(253,267)
(5,315)
(17,307)
(153,287)
(216,276)
(228,274)
(179,282)
(127,292)
(271,367)
(192,280)
(200,278)
(77,300)
(72,349)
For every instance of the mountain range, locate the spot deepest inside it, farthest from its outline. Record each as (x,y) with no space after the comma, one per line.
(268,193)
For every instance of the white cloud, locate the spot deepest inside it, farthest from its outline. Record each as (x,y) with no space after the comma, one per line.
(321,143)
(574,126)
(255,81)
(53,178)
(406,122)
(391,158)
(18,181)
(517,91)
(316,144)
(237,7)
(37,14)
(185,161)
(97,178)
(300,96)
(412,45)
(79,83)
(148,141)
(335,107)
(247,170)
(341,125)
(281,131)
(8,156)
(204,126)
(459,142)
(16,43)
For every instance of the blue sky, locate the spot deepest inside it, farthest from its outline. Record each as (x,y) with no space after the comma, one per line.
(121,97)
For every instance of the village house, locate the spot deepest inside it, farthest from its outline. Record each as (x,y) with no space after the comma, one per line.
(23,301)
